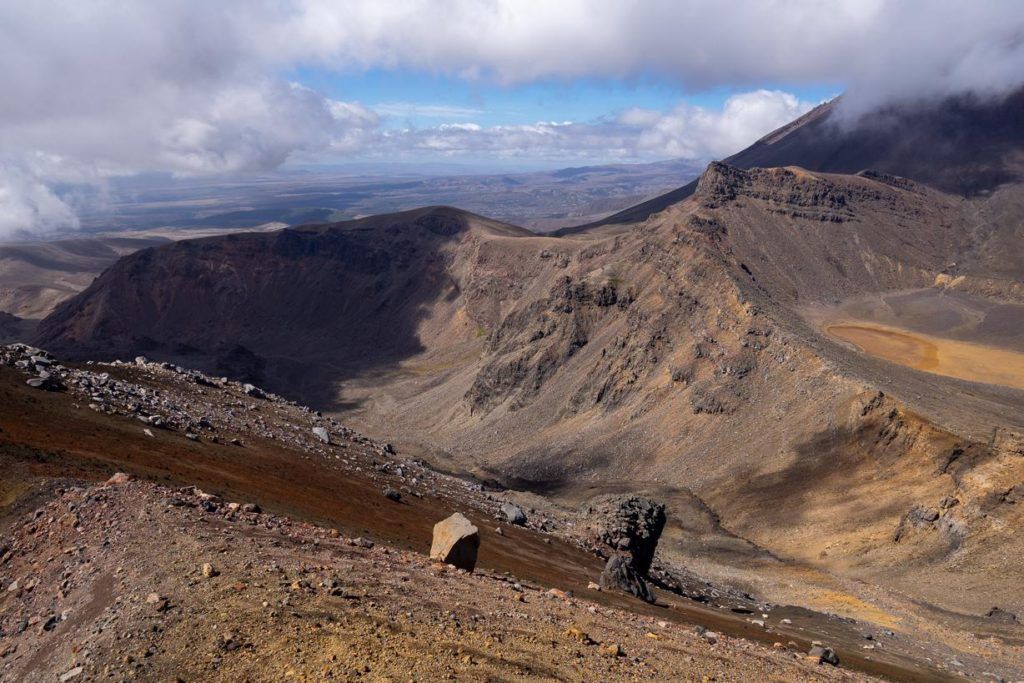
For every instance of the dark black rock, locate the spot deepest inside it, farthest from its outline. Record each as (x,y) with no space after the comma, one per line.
(620,574)
(634,528)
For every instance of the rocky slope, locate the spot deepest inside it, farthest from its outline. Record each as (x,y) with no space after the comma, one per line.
(131,569)
(110,579)
(674,356)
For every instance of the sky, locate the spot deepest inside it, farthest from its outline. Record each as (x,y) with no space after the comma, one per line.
(96,89)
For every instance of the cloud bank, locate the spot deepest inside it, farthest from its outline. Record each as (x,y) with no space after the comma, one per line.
(101,87)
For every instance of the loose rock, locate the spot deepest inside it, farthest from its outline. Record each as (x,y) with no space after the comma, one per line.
(456,541)
(513,514)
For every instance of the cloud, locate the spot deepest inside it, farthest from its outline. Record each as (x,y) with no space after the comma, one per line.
(190,86)
(883,49)
(700,133)
(427,111)
(687,132)
(28,204)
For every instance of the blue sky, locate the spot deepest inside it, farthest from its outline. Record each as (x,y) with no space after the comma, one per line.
(408,98)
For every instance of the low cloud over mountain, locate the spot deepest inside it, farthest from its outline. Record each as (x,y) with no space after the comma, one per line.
(194,88)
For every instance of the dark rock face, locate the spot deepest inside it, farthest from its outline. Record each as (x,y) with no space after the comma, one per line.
(918,517)
(632,531)
(619,573)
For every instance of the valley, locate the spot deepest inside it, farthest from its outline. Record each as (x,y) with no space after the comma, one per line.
(818,371)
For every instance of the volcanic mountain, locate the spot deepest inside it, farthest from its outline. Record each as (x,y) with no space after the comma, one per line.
(965,146)
(795,358)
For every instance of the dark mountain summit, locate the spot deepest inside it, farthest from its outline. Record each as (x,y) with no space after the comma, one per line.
(965,146)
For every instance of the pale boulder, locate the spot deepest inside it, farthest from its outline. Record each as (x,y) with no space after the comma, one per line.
(456,542)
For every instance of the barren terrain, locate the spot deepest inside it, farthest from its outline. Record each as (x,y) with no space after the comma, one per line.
(817,372)
(277,578)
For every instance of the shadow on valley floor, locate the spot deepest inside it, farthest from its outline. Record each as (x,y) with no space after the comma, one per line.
(858,473)
(296,311)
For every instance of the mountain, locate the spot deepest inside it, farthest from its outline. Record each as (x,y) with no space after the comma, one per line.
(965,146)
(800,362)
(35,276)
(298,308)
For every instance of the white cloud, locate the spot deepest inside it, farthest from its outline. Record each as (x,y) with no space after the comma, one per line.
(883,49)
(190,86)
(427,111)
(28,204)
(700,133)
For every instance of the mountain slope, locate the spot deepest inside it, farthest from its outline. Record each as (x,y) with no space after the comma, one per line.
(962,146)
(672,356)
(684,355)
(297,308)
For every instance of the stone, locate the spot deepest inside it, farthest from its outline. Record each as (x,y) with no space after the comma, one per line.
(613,650)
(157,602)
(579,635)
(209,571)
(252,390)
(824,655)
(456,541)
(620,573)
(392,494)
(513,514)
(71,674)
(119,478)
(321,433)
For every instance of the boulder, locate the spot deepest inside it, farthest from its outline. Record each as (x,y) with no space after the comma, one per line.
(456,542)
(253,390)
(321,433)
(119,478)
(513,514)
(634,527)
(823,655)
(620,573)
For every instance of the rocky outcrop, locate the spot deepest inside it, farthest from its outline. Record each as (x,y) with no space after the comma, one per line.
(633,528)
(632,532)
